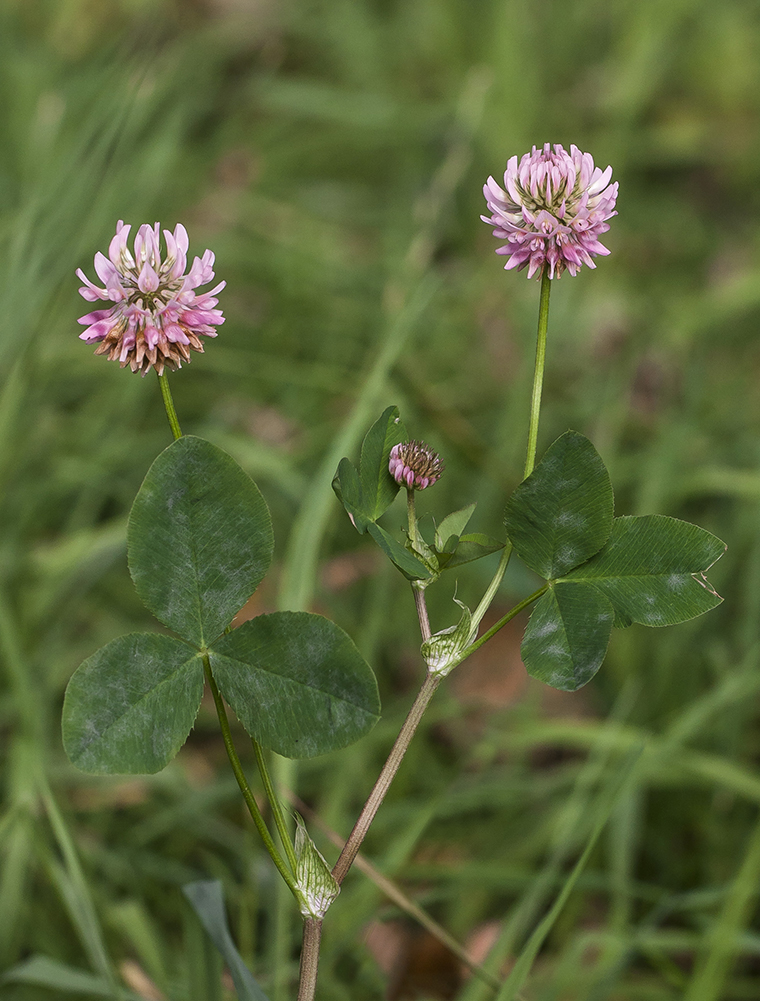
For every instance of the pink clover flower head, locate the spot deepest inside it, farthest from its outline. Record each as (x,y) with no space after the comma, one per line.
(552,210)
(156,317)
(414,465)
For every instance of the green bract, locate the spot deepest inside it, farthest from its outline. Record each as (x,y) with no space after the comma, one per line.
(445,649)
(200,542)
(370,491)
(317,887)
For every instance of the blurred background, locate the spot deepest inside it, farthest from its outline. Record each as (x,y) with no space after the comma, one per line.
(332,154)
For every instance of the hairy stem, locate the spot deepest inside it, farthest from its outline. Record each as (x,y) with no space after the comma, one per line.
(422,612)
(312,934)
(385,778)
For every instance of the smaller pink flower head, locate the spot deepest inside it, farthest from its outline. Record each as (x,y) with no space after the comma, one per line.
(414,465)
(552,210)
(156,318)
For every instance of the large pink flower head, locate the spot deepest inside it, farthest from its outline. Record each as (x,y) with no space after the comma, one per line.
(157,316)
(555,208)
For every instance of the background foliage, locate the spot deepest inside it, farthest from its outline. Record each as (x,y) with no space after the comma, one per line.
(331,153)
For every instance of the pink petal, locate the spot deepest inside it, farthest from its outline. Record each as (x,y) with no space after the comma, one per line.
(148,280)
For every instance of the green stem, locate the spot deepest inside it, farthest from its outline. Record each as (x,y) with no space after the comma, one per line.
(504,620)
(417,589)
(538,373)
(171,413)
(535,413)
(245,789)
(493,587)
(274,802)
(411,515)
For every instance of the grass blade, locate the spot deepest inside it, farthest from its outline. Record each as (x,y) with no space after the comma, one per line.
(521,970)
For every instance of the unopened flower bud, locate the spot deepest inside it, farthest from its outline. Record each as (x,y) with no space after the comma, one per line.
(414,465)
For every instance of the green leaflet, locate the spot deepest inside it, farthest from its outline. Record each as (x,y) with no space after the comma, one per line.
(296,682)
(566,638)
(602,571)
(653,570)
(199,540)
(130,706)
(562,513)
(379,489)
(411,566)
(448,532)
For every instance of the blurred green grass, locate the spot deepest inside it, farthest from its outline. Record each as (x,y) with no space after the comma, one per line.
(304,142)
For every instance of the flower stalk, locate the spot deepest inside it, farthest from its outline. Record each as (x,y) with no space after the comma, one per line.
(538,373)
(530,460)
(171,413)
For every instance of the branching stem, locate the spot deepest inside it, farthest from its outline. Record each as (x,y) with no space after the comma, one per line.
(274,803)
(505,619)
